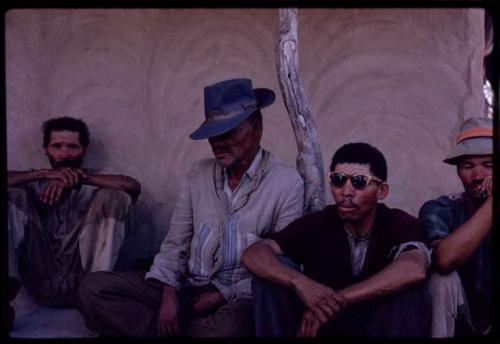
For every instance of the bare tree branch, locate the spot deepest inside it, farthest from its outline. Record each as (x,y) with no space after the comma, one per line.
(309,160)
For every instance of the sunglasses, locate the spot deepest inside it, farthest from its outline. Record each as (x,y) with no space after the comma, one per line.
(358,181)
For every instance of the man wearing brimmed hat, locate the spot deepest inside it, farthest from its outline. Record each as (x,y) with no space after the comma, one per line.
(459,229)
(197,285)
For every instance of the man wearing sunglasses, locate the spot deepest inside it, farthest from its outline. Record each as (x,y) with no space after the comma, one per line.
(458,226)
(197,286)
(364,264)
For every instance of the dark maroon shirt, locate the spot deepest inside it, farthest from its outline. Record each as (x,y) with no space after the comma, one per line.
(319,242)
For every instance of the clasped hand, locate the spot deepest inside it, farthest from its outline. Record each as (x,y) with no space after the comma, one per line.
(59,180)
(322,305)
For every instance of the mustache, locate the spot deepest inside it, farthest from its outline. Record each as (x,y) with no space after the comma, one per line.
(221,149)
(347,203)
(67,163)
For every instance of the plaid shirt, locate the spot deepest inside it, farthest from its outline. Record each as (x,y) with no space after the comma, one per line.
(208,233)
(441,217)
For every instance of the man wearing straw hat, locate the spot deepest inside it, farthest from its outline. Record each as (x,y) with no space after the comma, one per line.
(197,285)
(459,229)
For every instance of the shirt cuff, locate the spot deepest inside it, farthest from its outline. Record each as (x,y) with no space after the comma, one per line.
(397,250)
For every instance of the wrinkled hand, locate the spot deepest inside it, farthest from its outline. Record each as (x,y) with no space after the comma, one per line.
(487,186)
(53,192)
(206,302)
(69,176)
(309,325)
(323,301)
(167,323)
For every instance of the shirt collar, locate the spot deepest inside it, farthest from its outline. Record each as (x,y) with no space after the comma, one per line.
(250,172)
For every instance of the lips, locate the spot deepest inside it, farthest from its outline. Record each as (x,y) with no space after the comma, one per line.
(347,205)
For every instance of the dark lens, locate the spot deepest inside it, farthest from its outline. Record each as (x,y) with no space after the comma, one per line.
(338,179)
(359,182)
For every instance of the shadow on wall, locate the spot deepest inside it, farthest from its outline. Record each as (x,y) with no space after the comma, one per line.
(139,246)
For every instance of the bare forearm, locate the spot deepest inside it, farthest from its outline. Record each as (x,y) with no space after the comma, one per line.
(118,182)
(15,178)
(407,270)
(459,246)
(261,260)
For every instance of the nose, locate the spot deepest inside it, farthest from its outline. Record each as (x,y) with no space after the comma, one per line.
(479,173)
(65,153)
(347,189)
(215,140)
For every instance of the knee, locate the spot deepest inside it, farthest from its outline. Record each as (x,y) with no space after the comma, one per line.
(112,202)
(288,262)
(260,284)
(93,285)
(443,285)
(17,196)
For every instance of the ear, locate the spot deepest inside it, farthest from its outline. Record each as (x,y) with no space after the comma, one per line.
(382,191)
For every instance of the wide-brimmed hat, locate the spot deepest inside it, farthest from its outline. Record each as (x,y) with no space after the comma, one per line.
(475,137)
(228,103)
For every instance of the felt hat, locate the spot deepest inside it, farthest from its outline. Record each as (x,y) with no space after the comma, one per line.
(228,103)
(475,137)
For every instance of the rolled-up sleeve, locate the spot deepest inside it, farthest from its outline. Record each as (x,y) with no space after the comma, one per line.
(435,216)
(419,245)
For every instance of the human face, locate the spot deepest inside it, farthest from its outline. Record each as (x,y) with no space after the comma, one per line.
(357,205)
(472,171)
(64,149)
(236,148)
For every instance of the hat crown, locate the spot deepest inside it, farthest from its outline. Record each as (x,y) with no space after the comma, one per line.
(229,97)
(475,137)
(228,103)
(476,122)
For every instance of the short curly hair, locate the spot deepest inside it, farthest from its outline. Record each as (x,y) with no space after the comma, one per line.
(66,123)
(361,153)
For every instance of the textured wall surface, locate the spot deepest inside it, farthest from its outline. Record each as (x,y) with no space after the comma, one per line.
(400,79)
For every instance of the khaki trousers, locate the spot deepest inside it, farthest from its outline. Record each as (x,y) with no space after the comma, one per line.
(51,276)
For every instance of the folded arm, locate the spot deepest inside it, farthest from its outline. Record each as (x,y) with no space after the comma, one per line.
(67,177)
(408,269)
(261,259)
(454,250)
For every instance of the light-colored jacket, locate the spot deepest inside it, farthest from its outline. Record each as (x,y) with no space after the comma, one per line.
(207,235)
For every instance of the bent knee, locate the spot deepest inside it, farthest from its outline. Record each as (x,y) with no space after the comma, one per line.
(112,202)
(17,196)
(441,285)
(94,283)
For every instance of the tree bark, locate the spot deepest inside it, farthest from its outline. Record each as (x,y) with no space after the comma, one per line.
(309,160)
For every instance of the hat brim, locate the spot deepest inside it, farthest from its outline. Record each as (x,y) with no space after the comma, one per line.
(264,97)
(473,146)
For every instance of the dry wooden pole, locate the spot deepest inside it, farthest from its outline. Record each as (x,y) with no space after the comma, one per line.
(309,160)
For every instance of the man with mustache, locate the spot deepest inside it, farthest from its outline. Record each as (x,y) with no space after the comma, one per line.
(364,264)
(197,286)
(65,221)
(458,227)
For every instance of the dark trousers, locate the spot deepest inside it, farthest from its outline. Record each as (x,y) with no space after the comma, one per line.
(124,304)
(278,312)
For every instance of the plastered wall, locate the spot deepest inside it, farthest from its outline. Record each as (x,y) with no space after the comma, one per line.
(400,79)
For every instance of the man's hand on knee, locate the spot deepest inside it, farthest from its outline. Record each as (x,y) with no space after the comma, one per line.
(309,325)
(53,192)
(323,301)
(167,323)
(206,302)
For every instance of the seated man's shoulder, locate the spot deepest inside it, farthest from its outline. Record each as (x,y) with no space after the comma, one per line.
(442,202)
(201,165)
(283,172)
(397,215)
